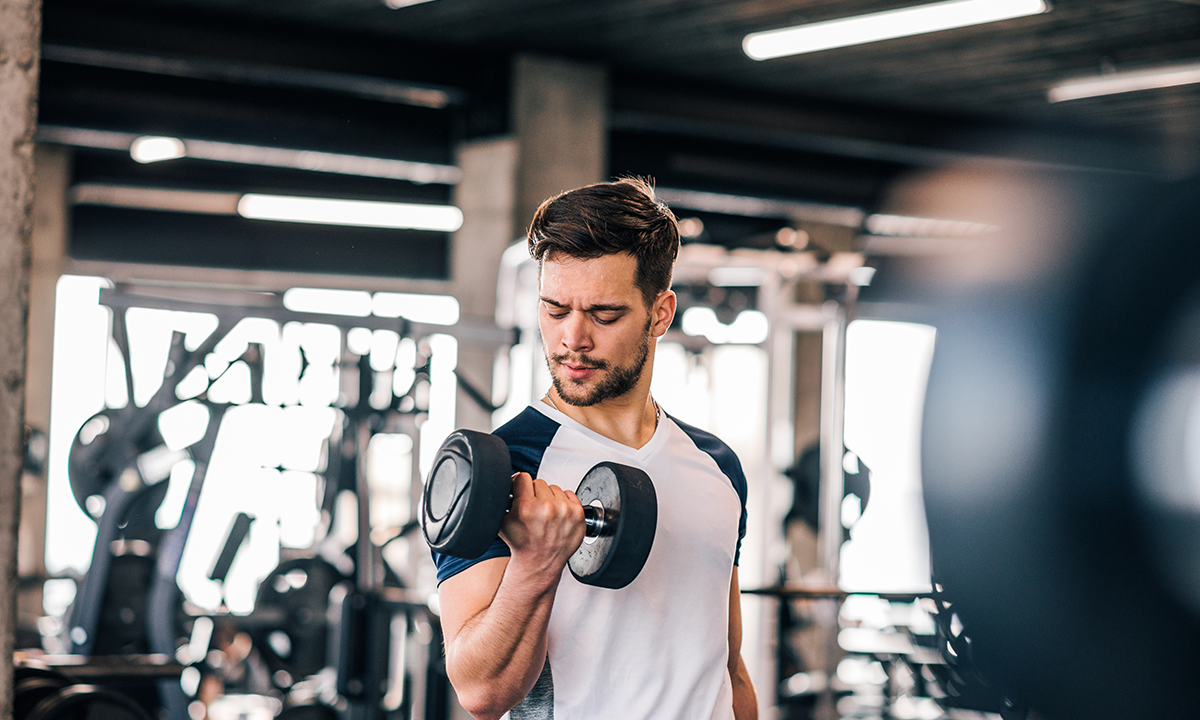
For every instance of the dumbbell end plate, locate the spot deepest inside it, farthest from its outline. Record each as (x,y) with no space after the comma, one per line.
(466,494)
(613,559)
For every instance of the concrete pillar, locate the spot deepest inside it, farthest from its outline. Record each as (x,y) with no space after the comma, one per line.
(560,117)
(52,167)
(487,197)
(559,142)
(20,32)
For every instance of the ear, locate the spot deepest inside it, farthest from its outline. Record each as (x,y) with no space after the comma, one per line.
(662,313)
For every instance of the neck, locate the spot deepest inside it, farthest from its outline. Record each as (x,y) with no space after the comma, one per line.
(630,420)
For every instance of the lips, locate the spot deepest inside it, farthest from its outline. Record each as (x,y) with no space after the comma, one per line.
(578,372)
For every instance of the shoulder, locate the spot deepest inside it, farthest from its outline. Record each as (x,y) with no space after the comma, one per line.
(527,436)
(721,453)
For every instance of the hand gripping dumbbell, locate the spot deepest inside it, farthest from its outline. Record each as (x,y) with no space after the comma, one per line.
(468,494)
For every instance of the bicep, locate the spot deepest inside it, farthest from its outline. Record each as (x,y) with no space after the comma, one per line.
(466,594)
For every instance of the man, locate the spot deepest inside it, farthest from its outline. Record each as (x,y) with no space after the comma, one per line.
(521,633)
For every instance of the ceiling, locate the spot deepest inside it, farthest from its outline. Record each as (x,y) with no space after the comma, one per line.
(999,71)
(688,107)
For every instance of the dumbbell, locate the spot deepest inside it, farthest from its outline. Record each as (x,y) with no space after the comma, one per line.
(468,494)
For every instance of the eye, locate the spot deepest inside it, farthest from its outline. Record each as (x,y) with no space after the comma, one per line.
(606,320)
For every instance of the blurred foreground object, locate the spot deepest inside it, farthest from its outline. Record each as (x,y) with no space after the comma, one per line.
(1061,440)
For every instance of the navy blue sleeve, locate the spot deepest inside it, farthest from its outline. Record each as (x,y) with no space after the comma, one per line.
(729,464)
(527,436)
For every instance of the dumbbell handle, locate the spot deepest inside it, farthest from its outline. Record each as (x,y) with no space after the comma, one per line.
(595,520)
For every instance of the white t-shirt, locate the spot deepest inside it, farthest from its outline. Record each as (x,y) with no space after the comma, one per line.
(657,648)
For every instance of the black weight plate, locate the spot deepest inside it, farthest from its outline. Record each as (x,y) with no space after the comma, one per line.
(126,434)
(308,712)
(29,691)
(297,593)
(614,559)
(87,702)
(467,494)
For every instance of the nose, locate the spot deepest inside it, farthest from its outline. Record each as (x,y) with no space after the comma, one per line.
(576,336)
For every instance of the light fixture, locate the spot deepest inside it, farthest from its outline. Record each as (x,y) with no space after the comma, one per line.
(748,206)
(908,226)
(150,148)
(354,303)
(738,276)
(358,213)
(1115,83)
(750,327)
(431,309)
(885,25)
(281,208)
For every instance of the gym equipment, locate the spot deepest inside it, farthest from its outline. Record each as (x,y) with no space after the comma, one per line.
(467,496)
(81,702)
(288,625)
(1055,441)
(32,685)
(393,654)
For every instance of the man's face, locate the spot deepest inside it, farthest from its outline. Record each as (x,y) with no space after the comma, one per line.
(596,327)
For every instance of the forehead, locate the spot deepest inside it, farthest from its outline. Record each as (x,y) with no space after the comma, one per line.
(608,279)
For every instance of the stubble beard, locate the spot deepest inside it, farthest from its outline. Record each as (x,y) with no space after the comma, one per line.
(619,381)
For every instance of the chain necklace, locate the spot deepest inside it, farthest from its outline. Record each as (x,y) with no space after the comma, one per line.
(657,408)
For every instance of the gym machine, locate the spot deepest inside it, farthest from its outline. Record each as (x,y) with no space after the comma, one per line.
(338,634)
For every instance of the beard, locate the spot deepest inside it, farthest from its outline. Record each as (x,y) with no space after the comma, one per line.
(618,381)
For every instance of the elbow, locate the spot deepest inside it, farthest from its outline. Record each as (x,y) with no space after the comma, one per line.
(480,704)
(480,699)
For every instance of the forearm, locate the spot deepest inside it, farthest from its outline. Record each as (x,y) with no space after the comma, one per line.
(745,702)
(498,655)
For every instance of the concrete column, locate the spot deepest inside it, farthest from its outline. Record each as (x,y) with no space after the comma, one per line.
(559,142)
(560,117)
(52,166)
(20,32)
(487,197)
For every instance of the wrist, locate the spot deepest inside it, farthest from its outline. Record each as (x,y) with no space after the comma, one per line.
(533,574)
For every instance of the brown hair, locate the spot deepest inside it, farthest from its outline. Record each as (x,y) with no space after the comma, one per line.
(606,219)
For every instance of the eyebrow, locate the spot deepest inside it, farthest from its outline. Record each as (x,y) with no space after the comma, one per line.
(601,307)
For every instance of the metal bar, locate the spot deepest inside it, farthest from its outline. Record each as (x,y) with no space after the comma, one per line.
(248,73)
(833,379)
(370,575)
(466,331)
(829,525)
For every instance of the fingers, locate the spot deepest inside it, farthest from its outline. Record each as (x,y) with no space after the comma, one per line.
(524,485)
(542,513)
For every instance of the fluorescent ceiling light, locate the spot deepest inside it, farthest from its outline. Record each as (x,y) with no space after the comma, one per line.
(759,207)
(148,149)
(1127,81)
(354,303)
(906,226)
(282,208)
(745,276)
(432,309)
(885,26)
(358,213)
